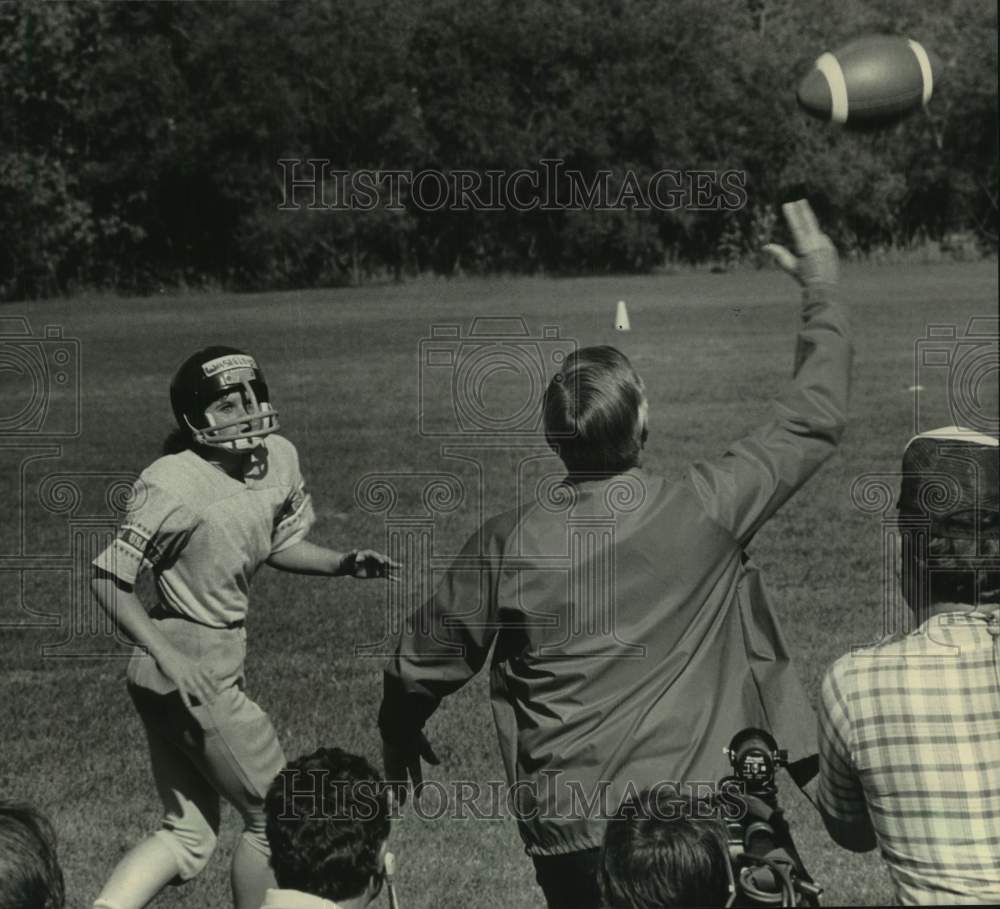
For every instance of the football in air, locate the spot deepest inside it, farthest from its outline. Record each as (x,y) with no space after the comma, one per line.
(872,81)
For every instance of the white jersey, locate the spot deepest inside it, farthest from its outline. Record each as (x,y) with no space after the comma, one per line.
(205,534)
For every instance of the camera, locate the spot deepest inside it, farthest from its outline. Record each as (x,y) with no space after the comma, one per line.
(41,381)
(767,869)
(488,382)
(755,756)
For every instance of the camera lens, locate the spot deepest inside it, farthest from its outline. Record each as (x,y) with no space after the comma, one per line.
(754,765)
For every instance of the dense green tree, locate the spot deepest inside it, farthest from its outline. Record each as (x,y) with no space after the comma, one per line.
(140,143)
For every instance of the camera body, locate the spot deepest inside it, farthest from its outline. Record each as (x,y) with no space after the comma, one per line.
(767,869)
(755,758)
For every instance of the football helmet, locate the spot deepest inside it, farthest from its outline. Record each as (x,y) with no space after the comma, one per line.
(207,375)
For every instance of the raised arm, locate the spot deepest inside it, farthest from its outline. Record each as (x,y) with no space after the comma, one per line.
(761,471)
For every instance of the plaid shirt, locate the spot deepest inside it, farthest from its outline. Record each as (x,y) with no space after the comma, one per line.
(910,732)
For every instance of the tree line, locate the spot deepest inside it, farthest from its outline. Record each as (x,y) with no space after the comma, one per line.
(140,144)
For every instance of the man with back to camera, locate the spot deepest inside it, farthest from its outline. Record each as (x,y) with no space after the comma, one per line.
(327,826)
(689,651)
(910,728)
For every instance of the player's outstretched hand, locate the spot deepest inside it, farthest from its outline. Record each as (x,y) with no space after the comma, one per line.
(402,764)
(367,564)
(192,679)
(815,258)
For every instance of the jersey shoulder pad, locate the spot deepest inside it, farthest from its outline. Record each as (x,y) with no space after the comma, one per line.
(279,446)
(283,458)
(183,477)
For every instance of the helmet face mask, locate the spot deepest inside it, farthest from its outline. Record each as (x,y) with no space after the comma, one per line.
(213,374)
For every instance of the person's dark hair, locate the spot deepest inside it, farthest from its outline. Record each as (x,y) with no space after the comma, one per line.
(956,569)
(327,817)
(177,440)
(591,412)
(663,851)
(949,497)
(30,876)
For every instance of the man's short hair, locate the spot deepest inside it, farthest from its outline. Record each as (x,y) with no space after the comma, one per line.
(663,851)
(327,818)
(591,412)
(30,876)
(949,492)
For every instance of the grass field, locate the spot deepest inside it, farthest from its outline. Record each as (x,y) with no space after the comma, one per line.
(343,366)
